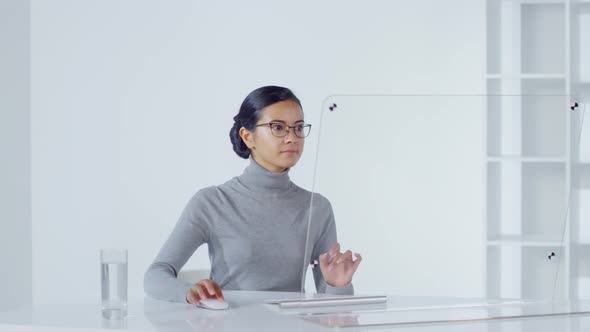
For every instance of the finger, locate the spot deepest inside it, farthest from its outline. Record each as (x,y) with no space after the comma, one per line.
(213,289)
(324,259)
(208,285)
(334,262)
(346,256)
(189,297)
(194,296)
(334,250)
(324,262)
(199,290)
(218,290)
(357,261)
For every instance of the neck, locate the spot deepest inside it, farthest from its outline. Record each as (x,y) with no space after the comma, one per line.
(258,178)
(268,166)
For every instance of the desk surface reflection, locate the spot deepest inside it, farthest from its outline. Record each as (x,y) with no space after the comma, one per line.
(248,312)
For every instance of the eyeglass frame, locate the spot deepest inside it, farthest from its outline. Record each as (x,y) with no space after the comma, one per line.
(308,125)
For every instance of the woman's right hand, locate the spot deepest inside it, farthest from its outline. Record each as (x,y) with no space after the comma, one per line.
(204,289)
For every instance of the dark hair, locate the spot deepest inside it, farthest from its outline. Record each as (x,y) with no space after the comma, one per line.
(250,113)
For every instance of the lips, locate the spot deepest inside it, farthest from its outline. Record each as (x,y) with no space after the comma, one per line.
(290,151)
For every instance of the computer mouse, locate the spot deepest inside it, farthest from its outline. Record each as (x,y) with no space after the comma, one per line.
(213,304)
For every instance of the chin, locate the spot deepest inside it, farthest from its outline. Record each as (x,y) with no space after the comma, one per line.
(288,163)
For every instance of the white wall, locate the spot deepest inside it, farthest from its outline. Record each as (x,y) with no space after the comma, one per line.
(132,103)
(15,161)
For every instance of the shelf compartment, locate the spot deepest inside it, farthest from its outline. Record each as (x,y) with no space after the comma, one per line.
(580,268)
(526,84)
(503,266)
(529,125)
(539,273)
(584,45)
(580,211)
(544,118)
(503,211)
(581,131)
(494,33)
(543,199)
(542,30)
(524,273)
(526,201)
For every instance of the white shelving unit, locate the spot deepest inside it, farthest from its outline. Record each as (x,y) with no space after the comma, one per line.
(539,52)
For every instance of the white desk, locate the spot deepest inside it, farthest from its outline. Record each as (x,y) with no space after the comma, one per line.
(249,313)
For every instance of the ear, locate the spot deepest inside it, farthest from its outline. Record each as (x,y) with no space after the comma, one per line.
(248,137)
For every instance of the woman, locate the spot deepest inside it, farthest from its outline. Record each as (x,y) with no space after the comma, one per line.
(255,224)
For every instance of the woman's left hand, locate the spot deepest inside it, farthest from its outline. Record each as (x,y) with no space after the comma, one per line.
(338,268)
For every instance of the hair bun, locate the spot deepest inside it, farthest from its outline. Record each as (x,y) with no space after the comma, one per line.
(239,147)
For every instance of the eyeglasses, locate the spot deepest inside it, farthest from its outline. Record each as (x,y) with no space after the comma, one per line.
(281,130)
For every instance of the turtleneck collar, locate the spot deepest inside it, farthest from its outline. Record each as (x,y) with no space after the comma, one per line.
(257,178)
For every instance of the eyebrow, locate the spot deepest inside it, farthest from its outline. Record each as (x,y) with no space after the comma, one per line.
(286,122)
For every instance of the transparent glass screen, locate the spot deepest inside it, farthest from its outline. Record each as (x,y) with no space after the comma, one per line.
(456,196)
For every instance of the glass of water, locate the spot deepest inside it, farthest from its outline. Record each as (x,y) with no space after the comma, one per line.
(113,277)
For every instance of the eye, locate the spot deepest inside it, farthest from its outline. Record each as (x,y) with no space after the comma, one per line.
(299,128)
(277,126)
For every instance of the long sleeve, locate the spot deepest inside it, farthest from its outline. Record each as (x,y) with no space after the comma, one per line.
(326,239)
(190,232)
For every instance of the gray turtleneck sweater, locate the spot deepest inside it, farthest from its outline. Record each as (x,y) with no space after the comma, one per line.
(255,226)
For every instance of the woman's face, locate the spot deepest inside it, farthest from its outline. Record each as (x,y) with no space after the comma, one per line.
(276,154)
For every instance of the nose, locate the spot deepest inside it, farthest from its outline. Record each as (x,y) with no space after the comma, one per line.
(290,135)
